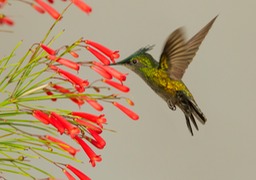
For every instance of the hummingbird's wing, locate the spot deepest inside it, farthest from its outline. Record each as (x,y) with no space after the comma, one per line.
(194,43)
(174,58)
(177,53)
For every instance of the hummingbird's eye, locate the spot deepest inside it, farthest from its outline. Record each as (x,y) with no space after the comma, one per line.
(134,61)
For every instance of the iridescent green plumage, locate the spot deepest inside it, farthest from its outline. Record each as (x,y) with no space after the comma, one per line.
(165,77)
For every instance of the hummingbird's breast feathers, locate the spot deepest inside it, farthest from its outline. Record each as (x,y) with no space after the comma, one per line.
(162,84)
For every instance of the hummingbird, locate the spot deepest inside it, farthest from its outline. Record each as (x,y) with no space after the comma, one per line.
(165,76)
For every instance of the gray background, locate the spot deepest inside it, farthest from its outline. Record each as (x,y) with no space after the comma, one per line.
(221,78)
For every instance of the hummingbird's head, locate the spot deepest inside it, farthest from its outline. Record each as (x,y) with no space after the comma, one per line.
(139,60)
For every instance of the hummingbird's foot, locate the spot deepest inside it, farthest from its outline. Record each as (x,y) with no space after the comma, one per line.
(171,105)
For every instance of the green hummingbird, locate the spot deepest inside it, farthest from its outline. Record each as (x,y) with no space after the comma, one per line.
(165,77)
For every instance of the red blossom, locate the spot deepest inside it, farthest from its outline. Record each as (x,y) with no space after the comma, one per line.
(83,6)
(93,142)
(47,119)
(116,85)
(60,89)
(47,49)
(69,176)
(5,20)
(51,11)
(78,100)
(93,103)
(38,8)
(41,116)
(65,62)
(98,55)
(91,117)
(101,71)
(118,75)
(71,150)
(72,130)
(79,83)
(89,152)
(100,142)
(78,173)
(111,54)
(88,125)
(58,125)
(127,111)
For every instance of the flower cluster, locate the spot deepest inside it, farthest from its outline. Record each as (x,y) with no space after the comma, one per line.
(32,86)
(81,126)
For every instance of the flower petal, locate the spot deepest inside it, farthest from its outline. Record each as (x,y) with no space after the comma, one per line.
(51,11)
(116,85)
(78,173)
(127,111)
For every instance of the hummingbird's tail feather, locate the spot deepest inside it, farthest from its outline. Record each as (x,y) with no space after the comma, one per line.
(192,119)
(190,109)
(197,112)
(189,125)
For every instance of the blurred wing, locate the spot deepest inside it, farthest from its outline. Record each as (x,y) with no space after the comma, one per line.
(194,43)
(177,54)
(174,57)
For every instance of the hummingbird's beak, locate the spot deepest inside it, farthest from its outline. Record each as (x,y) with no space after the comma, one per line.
(122,62)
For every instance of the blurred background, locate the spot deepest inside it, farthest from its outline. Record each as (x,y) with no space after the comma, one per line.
(221,78)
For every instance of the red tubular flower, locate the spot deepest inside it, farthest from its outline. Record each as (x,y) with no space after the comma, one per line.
(83,6)
(58,125)
(46,119)
(118,75)
(72,130)
(69,176)
(98,55)
(78,100)
(127,111)
(111,54)
(93,142)
(51,11)
(60,89)
(79,83)
(71,150)
(41,116)
(88,125)
(78,173)
(93,103)
(5,20)
(51,1)
(116,85)
(90,153)
(100,142)
(101,71)
(65,62)
(38,8)
(49,93)
(47,49)
(91,117)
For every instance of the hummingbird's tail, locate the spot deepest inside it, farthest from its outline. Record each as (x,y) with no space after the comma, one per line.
(190,109)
